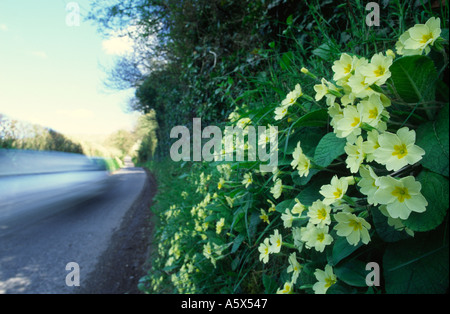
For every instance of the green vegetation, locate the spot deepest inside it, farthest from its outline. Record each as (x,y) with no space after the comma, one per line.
(363,145)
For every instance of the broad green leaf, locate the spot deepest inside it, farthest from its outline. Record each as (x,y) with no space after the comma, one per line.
(435,190)
(342,249)
(328,149)
(352,272)
(237,243)
(413,78)
(313,118)
(311,192)
(418,265)
(281,207)
(385,232)
(433,137)
(324,51)
(270,284)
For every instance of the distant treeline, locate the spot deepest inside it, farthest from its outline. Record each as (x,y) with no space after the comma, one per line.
(22,135)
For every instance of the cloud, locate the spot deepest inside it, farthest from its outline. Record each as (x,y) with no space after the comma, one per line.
(39,54)
(3,27)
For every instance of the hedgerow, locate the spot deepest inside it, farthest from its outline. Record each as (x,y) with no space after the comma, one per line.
(362,181)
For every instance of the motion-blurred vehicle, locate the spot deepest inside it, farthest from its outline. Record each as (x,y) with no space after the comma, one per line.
(40,183)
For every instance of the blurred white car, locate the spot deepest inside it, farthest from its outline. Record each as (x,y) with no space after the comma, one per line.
(40,183)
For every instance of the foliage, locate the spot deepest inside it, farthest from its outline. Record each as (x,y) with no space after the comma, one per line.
(21,135)
(368,133)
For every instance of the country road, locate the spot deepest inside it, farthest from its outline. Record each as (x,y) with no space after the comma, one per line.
(34,254)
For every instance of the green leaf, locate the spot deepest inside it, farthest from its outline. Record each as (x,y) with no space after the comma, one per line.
(270,284)
(413,78)
(237,243)
(311,193)
(313,118)
(324,51)
(281,207)
(328,149)
(352,272)
(418,265)
(385,232)
(433,137)
(435,190)
(342,249)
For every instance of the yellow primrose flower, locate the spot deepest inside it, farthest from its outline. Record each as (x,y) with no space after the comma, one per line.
(372,111)
(349,123)
(319,213)
(317,238)
(220,224)
(360,88)
(300,161)
(325,279)
(247,179)
(298,207)
(264,251)
(377,71)
(277,189)
(355,155)
(401,196)
(264,217)
(287,288)
(421,36)
(207,251)
(272,206)
(294,267)
(354,228)
(371,145)
(287,218)
(326,89)
(398,150)
(343,67)
(334,191)
(280,112)
(276,240)
(220,183)
(367,184)
(292,96)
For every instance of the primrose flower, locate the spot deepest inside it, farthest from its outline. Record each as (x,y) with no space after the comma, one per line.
(373,111)
(277,189)
(367,184)
(298,207)
(319,213)
(287,218)
(401,196)
(360,88)
(220,224)
(377,71)
(300,161)
(396,223)
(326,89)
(272,206)
(349,123)
(264,250)
(317,237)
(294,267)
(371,145)
(264,217)
(354,228)
(280,112)
(247,180)
(355,154)
(326,278)
(419,38)
(343,67)
(287,288)
(334,191)
(220,183)
(398,150)
(276,240)
(292,96)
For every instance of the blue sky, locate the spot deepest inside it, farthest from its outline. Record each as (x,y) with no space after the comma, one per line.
(50,72)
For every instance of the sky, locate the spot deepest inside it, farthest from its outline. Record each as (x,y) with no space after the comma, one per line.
(51,68)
